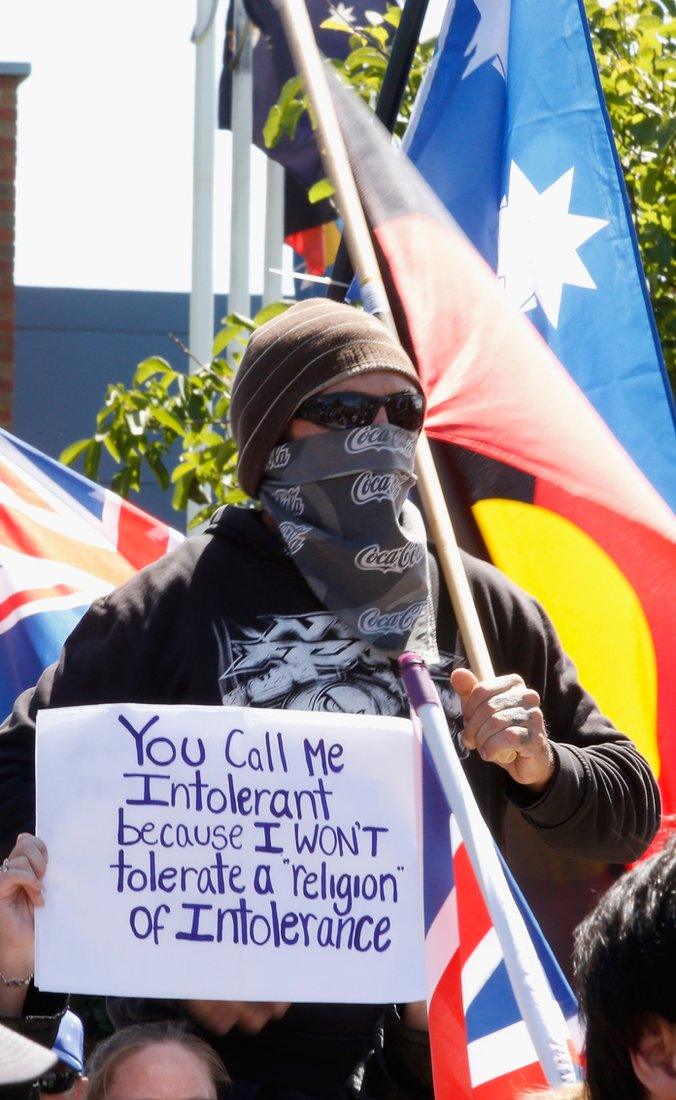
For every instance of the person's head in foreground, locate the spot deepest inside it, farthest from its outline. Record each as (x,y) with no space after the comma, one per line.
(21,1060)
(625,970)
(66,1078)
(158,1061)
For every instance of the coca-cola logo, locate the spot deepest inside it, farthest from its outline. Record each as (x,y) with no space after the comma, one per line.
(381,437)
(279,458)
(390,561)
(370,486)
(290,499)
(373,621)
(294,535)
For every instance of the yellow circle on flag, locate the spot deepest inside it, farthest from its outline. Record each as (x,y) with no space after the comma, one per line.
(595,610)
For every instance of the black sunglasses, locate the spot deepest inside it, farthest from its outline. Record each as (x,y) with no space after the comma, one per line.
(342,411)
(57,1080)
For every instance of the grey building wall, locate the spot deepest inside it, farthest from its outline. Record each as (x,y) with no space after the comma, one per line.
(71,343)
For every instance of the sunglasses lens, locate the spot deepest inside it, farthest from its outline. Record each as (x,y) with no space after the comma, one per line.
(350,410)
(406,410)
(57,1080)
(342,411)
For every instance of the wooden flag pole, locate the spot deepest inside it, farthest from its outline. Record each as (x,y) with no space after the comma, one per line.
(387,108)
(303,46)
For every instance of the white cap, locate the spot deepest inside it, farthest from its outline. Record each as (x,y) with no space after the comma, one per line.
(21,1059)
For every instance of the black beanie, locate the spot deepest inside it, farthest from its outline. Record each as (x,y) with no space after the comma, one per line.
(308,347)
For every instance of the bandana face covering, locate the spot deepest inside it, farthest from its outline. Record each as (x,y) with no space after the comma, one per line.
(339,499)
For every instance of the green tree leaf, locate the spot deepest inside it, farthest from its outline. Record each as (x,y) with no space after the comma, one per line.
(148,367)
(322,189)
(112,448)
(73,451)
(225,337)
(169,421)
(271,129)
(270,311)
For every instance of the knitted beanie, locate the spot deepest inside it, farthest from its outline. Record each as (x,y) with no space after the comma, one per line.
(305,349)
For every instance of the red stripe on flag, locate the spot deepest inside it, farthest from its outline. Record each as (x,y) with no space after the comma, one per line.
(512,1085)
(22,489)
(141,539)
(448,1036)
(29,595)
(26,536)
(474,922)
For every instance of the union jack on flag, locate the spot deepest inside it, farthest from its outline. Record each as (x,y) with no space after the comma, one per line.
(63,541)
(481,1046)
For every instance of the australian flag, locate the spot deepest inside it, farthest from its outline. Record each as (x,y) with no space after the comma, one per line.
(512,133)
(63,541)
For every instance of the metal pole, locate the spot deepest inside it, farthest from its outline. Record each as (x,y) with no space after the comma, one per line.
(201,321)
(274,232)
(240,190)
(387,109)
(201,316)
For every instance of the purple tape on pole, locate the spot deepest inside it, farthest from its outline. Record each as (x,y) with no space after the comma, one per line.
(417,681)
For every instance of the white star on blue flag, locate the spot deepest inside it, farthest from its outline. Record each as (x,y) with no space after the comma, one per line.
(511,131)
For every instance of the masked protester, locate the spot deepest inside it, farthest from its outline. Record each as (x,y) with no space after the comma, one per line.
(304,604)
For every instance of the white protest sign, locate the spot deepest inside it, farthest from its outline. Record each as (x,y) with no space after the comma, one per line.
(229,853)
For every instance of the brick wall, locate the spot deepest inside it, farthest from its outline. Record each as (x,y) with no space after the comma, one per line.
(10,78)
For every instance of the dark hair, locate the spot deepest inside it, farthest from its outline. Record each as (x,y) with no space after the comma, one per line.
(112,1052)
(624,971)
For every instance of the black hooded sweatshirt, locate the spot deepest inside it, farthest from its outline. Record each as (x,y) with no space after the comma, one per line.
(227,618)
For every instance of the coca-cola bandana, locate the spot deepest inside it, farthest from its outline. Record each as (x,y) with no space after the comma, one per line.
(340,502)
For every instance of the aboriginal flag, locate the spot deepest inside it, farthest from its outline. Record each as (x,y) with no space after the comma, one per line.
(560,506)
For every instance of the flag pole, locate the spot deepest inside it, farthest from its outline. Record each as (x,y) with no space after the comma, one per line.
(387,108)
(307,59)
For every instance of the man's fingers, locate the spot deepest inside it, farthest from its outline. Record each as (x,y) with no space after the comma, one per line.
(516,698)
(516,731)
(463,681)
(495,723)
(487,692)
